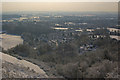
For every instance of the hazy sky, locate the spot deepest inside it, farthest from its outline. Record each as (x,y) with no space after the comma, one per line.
(60,0)
(60,6)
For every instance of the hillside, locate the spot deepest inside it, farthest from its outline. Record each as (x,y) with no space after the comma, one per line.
(15,68)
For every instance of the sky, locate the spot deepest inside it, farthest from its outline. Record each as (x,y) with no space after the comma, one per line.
(60,6)
(60,0)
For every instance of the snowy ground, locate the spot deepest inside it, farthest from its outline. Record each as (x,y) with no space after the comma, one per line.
(25,67)
(115,37)
(8,41)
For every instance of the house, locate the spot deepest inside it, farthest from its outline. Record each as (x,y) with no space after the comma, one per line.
(114,33)
(113,30)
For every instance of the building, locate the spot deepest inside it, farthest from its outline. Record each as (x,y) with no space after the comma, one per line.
(114,33)
(113,30)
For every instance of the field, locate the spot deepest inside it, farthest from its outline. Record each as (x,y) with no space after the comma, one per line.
(8,41)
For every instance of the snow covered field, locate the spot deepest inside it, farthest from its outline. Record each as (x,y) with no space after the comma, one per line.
(22,63)
(8,41)
(115,37)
